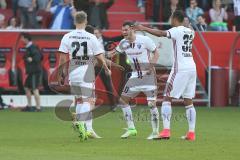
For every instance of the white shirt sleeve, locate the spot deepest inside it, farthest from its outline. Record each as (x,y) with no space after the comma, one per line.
(53,9)
(96,47)
(64,45)
(150,45)
(172,33)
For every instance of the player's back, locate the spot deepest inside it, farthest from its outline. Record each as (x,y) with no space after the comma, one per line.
(182,44)
(80,44)
(81,47)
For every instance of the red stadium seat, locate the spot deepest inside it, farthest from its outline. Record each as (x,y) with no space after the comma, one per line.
(50,64)
(7,79)
(20,66)
(5,66)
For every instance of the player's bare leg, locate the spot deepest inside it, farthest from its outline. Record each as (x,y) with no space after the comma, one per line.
(127,113)
(79,123)
(154,120)
(37,99)
(84,105)
(29,100)
(29,97)
(191,118)
(166,113)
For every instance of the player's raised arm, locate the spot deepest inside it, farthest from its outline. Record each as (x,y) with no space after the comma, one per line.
(156,32)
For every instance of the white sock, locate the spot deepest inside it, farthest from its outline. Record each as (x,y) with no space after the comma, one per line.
(191,117)
(155,119)
(78,111)
(127,113)
(166,113)
(88,121)
(85,115)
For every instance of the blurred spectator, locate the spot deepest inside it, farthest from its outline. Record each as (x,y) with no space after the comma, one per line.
(2,21)
(201,24)
(171,6)
(62,15)
(105,41)
(12,24)
(184,3)
(28,13)
(217,15)
(106,79)
(236,26)
(141,5)
(32,59)
(90,29)
(98,13)
(42,4)
(205,4)
(81,5)
(3,4)
(186,22)
(56,2)
(156,10)
(15,7)
(2,104)
(193,11)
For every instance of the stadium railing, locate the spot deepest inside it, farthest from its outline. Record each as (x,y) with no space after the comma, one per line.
(234,60)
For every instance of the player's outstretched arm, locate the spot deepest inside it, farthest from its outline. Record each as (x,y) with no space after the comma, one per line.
(156,32)
(62,68)
(48,8)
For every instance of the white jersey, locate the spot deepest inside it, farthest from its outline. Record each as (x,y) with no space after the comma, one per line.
(138,53)
(182,43)
(81,47)
(236,4)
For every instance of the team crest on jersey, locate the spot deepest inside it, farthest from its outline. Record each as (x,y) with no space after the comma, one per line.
(139,46)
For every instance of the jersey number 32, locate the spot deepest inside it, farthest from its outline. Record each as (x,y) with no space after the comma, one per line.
(187,39)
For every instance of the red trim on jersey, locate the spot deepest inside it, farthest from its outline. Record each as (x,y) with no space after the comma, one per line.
(175,56)
(137,67)
(170,84)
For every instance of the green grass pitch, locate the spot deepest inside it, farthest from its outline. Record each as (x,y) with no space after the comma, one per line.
(41,136)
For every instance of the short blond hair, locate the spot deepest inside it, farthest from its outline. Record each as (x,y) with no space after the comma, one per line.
(80,17)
